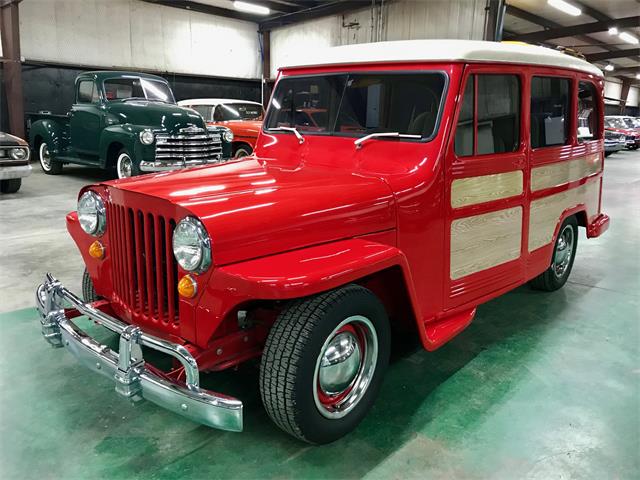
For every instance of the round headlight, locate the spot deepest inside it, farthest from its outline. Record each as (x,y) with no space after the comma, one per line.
(92,214)
(147,137)
(191,245)
(18,153)
(228,136)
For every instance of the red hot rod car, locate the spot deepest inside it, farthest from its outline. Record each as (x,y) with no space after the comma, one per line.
(439,176)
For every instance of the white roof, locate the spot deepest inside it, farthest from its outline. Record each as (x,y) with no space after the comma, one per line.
(439,51)
(214,101)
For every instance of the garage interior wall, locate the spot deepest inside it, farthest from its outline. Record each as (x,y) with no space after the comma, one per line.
(200,55)
(400,20)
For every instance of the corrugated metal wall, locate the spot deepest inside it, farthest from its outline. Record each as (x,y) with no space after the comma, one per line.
(397,20)
(134,34)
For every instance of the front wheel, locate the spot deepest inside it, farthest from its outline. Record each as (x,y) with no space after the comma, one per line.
(49,166)
(11,185)
(125,166)
(242,151)
(323,363)
(564,252)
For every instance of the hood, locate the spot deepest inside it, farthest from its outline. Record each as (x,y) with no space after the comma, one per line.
(252,210)
(167,116)
(7,140)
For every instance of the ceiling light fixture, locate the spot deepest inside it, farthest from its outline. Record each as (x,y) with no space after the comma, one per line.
(609,67)
(251,8)
(637,76)
(627,37)
(613,31)
(565,7)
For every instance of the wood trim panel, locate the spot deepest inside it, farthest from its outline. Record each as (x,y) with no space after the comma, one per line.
(545,212)
(485,188)
(484,241)
(559,173)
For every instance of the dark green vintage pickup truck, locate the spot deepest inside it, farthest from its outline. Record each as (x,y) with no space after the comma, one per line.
(129,122)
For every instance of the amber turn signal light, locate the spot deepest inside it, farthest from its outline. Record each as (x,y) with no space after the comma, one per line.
(187,287)
(96,250)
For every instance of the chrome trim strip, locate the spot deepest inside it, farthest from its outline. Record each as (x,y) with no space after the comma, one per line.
(127,368)
(162,166)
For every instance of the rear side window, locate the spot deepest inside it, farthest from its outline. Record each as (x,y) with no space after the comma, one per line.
(496,128)
(549,111)
(588,117)
(87,92)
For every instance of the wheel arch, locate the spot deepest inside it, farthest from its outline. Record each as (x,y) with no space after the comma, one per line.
(121,135)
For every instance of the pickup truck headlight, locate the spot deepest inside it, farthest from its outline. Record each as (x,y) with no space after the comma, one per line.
(228,135)
(147,137)
(18,153)
(191,245)
(92,214)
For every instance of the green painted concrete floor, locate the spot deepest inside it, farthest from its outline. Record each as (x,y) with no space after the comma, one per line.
(540,386)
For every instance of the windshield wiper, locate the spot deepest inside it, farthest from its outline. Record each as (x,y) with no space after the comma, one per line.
(358,143)
(293,130)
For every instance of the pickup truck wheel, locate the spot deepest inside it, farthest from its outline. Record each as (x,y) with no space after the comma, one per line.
(11,185)
(125,167)
(564,252)
(88,291)
(323,363)
(49,166)
(242,151)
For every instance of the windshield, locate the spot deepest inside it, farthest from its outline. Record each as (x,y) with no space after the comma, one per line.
(616,123)
(238,111)
(358,104)
(133,87)
(630,122)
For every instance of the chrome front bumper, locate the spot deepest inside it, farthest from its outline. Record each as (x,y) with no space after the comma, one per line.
(165,166)
(127,367)
(8,172)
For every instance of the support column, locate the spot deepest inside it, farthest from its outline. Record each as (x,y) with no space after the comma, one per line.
(494,20)
(624,94)
(266,65)
(12,66)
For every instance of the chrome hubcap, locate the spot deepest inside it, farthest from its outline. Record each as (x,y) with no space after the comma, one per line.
(345,367)
(125,166)
(45,157)
(564,249)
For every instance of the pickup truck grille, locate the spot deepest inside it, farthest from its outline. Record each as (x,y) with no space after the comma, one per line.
(193,144)
(144,271)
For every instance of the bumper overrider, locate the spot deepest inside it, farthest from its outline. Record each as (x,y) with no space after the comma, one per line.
(127,367)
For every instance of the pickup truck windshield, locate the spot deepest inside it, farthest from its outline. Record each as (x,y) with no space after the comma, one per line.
(237,111)
(615,123)
(358,104)
(131,87)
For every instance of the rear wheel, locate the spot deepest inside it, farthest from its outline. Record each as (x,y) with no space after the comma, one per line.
(49,166)
(323,363)
(564,253)
(11,185)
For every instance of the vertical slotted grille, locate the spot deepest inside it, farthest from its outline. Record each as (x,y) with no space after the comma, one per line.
(144,270)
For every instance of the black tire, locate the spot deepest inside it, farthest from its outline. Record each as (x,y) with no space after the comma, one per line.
(11,185)
(549,280)
(242,150)
(135,166)
(50,166)
(606,154)
(292,354)
(88,292)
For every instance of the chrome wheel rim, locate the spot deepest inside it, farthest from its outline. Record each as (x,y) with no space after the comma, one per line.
(125,166)
(563,252)
(45,157)
(345,367)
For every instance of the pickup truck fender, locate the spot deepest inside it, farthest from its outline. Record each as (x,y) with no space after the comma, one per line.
(296,274)
(116,137)
(51,131)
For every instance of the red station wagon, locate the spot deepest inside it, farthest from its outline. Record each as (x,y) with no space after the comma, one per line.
(443,174)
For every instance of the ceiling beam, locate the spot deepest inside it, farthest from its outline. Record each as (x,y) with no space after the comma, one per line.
(317,11)
(581,29)
(629,52)
(627,70)
(209,9)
